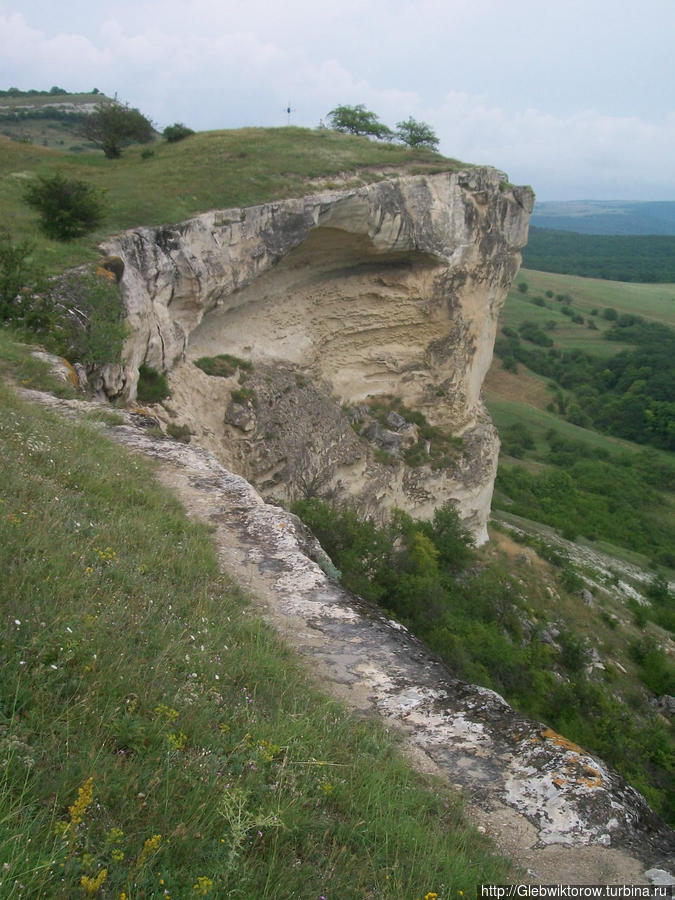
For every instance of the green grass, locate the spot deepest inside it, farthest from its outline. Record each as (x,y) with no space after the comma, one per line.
(209,170)
(224,365)
(653,301)
(153,728)
(539,421)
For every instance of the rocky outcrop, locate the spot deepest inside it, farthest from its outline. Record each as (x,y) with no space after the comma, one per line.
(387,290)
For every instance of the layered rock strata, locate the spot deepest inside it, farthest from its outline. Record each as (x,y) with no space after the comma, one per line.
(331,301)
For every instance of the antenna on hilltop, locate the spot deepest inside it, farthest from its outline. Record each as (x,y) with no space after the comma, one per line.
(290,109)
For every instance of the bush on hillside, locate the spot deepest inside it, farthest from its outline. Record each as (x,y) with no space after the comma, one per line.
(68,208)
(88,318)
(17,274)
(177,132)
(152,385)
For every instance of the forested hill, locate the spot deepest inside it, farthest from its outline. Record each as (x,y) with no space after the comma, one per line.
(642,258)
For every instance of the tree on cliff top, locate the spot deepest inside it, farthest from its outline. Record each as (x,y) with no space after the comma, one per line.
(416,134)
(113,126)
(358,120)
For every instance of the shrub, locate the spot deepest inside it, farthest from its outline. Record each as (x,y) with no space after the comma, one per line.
(88,318)
(610,314)
(529,331)
(180,433)
(523,287)
(16,274)
(152,385)
(68,208)
(244,396)
(176,132)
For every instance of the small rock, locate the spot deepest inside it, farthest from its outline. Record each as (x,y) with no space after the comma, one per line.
(549,634)
(659,877)
(386,439)
(587,597)
(59,367)
(665,703)
(241,416)
(395,420)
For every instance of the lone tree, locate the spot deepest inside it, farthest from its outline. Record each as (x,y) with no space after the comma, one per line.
(68,208)
(113,126)
(416,134)
(358,120)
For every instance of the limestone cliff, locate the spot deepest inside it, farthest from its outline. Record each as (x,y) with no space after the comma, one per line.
(336,300)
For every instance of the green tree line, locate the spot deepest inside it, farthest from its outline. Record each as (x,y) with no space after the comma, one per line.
(640,258)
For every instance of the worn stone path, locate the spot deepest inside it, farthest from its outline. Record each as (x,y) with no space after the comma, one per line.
(560,813)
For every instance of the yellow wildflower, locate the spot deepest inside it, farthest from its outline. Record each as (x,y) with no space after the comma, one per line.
(203,886)
(84,798)
(92,885)
(149,847)
(177,741)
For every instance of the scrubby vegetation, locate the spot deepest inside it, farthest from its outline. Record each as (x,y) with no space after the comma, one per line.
(479,618)
(629,395)
(585,491)
(224,365)
(156,738)
(434,446)
(77,314)
(152,385)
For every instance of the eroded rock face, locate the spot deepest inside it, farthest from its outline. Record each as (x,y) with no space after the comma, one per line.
(390,289)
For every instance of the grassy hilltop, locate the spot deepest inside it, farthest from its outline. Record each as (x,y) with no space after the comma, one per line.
(169,182)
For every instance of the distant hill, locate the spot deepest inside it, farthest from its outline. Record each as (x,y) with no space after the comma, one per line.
(47,118)
(606,217)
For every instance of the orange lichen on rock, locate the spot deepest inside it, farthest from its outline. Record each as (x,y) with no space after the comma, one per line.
(71,374)
(560,741)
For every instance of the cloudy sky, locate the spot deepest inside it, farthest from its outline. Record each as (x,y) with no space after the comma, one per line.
(574,98)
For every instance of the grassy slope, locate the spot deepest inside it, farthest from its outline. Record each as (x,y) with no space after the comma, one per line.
(210,170)
(129,660)
(653,301)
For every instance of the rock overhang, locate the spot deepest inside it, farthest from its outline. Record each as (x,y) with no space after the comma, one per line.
(393,288)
